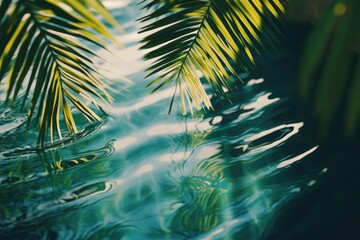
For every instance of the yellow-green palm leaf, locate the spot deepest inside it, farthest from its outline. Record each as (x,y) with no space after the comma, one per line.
(42,49)
(211,36)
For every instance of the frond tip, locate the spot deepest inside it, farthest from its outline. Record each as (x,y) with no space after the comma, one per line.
(42,47)
(210,36)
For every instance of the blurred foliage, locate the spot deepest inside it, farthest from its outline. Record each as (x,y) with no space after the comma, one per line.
(330,69)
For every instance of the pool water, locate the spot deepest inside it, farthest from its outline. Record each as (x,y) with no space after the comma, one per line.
(147,174)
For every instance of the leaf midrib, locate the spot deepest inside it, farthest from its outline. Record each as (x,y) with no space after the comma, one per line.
(194,40)
(44,34)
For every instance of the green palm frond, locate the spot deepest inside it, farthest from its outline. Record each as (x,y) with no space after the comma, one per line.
(210,36)
(43,48)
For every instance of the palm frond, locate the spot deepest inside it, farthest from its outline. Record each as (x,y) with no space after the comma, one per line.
(43,41)
(211,36)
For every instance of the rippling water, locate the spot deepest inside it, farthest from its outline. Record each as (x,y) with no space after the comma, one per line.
(144,174)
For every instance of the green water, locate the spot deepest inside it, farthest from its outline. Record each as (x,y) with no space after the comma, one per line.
(144,174)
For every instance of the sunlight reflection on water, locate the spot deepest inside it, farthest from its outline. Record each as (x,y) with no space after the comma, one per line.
(294,129)
(295,159)
(113,4)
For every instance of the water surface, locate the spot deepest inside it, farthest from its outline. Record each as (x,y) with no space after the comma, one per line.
(147,174)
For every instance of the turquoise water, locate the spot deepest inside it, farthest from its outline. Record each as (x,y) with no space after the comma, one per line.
(145,174)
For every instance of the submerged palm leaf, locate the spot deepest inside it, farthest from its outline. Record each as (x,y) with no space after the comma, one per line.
(206,35)
(43,41)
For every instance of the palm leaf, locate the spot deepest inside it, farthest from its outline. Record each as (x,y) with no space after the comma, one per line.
(43,41)
(212,36)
